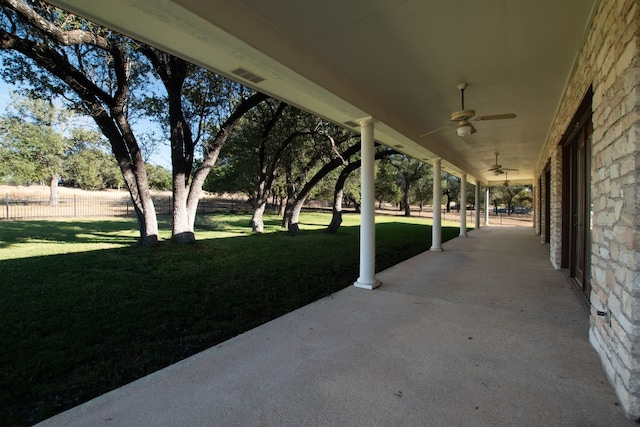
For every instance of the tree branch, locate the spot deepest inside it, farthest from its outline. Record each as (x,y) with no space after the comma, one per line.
(51,60)
(63,37)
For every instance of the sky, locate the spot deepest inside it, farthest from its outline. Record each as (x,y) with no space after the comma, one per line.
(5,89)
(162,156)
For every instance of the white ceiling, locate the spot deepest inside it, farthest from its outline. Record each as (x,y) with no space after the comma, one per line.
(398,61)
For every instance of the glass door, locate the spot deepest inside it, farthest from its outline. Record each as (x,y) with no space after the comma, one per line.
(582,211)
(576,199)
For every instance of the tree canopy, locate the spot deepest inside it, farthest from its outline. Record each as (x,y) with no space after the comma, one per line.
(32,143)
(107,76)
(222,136)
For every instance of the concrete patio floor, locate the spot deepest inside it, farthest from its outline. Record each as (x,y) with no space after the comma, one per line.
(484,333)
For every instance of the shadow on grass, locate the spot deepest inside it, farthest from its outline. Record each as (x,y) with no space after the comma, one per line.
(103,231)
(79,325)
(220,223)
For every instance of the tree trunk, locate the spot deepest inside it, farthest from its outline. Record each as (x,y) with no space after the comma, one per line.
(294,216)
(283,206)
(510,195)
(145,209)
(336,217)
(407,206)
(338,196)
(126,150)
(182,228)
(260,203)
(257,222)
(291,199)
(54,194)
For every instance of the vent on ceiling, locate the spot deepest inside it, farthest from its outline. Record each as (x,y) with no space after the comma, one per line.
(248,75)
(351,123)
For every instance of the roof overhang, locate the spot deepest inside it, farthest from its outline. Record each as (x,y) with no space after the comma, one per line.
(398,61)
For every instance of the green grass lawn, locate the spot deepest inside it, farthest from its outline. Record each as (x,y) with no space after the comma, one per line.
(83,310)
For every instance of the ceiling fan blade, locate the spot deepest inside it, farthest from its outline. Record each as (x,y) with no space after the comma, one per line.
(497,117)
(498,172)
(495,168)
(508,169)
(436,130)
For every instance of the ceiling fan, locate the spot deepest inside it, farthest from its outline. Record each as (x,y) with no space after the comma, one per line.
(461,119)
(497,169)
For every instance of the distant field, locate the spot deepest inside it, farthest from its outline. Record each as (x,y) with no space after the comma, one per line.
(19,203)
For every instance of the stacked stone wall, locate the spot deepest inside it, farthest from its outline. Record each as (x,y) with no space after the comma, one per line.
(540,200)
(555,244)
(609,61)
(536,213)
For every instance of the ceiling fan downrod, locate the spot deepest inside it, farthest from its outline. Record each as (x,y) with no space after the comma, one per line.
(462,87)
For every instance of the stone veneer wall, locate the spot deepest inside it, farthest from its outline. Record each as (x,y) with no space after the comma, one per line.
(540,198)
(536,212)
(609,60)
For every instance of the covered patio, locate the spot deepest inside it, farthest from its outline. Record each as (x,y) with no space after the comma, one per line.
(485,332)
(552,88)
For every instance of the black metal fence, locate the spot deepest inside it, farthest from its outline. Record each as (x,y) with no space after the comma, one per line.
(79,206)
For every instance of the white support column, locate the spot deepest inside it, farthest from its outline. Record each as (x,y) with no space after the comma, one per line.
(486,207)
(436,230)
(367,279)
(477,205)
(463,205)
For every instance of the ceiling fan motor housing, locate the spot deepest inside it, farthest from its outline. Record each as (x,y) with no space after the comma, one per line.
(462,115)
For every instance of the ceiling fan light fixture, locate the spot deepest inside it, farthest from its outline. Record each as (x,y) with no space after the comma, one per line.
(465,128)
